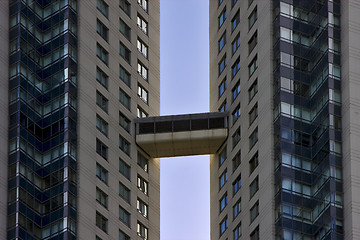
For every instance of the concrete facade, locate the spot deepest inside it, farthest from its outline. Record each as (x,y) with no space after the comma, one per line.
(87,133)
(262,99)
(350,37)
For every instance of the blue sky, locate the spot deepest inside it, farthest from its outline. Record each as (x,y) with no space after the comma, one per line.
(184,65)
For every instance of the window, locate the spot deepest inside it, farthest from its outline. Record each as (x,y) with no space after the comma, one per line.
(252,18)
(123,236)
(254,211)
(141,113)
(101,197)
(254,162)
(235,21)
(252,42)
(223,202)
(233,2)
(143,4)
(125,29)
(124,192)
(223,179)
(235,67)
(237,208)
(102,30)
(253,66)
(220,1)
(254,186)
(102,54)
(142,161)
(124,216)
(254,235)
(124,122)
(101,222)
(142,207)
(237,184)
(101,101)
(142,24)
(222,17)
(236,137)
(142,231)
(124,169)
(102,78)
(125,52)
(142,70)
(236,161)
(253,114)
(222,87)
(237,232)
(222,156)
(102,125)
(236,113)
(142,48)
(222,41)
(103,7)
(98,238)
(222,64)
(124,76)
(101,173)
(250,2)
(124,145)
(223,107)
(142,93)
(253,90)
(101,149)
(223,225)
(125,6)
(236,90)
(124,99)
(253,138)
(236,44)
(142,185)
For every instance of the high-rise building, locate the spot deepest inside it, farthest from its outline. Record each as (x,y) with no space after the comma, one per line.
(80,156)
(286,71)
(74,75)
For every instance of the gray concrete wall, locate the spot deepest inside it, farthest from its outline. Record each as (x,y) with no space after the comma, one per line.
(264,121)
(350,84)
(87,110)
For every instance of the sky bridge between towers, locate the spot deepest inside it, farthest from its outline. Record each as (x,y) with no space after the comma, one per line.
(182,135)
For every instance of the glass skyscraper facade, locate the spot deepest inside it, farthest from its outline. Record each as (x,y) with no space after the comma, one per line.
(42,187)
(307,120)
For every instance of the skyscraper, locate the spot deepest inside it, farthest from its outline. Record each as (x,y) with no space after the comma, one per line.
(77,74)
(80,156)
(286,73)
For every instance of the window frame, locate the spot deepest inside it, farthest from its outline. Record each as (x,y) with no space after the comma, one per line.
(124,169)
(103,7)
(222,42)
(102,30)
(101,222)
(142,24)
(252,18)
(102,101)
(125,52)
(102,54)
(127,8)
(102,149)
(222,64)
(222,18)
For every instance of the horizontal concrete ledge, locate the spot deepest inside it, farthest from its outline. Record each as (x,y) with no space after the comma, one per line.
(172,144)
